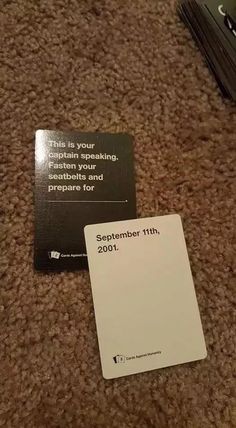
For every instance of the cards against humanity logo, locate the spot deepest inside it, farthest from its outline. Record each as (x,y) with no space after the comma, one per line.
(54,255)
(122,359)
(119,359)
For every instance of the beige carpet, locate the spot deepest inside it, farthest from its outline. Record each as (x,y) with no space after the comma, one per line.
(113,66)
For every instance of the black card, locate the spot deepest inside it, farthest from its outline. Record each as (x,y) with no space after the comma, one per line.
(80,179)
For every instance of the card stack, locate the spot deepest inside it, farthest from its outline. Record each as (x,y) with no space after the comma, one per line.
(213,26)
(145,304)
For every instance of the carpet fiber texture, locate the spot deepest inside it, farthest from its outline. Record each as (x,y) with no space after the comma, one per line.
(112,66)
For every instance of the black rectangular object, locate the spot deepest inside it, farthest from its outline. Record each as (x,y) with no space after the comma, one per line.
(80,179)
(213,26)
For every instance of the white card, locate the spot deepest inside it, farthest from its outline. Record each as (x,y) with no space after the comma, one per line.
(144,299)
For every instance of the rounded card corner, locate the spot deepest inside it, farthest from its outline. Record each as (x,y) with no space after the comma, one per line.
(106,377)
